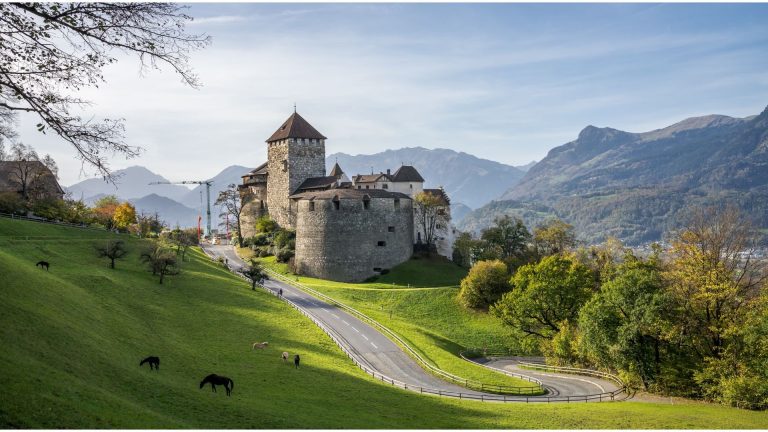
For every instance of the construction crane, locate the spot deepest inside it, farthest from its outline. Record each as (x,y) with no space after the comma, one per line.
(207,184)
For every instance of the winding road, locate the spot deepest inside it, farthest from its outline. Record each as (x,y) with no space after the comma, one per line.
(371,348)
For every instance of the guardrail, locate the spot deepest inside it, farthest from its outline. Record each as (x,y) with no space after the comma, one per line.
(350,352)
(464,382)
(611,395)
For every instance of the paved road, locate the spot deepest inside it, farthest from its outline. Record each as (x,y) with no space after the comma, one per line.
(384,356)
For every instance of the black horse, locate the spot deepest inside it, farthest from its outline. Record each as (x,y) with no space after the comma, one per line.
(215,380)
(43,264)
(153,362)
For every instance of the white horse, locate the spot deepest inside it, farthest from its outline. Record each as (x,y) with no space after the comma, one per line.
(261,345)
(285,356)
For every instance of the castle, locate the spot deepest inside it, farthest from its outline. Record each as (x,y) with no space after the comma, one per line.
(346,230)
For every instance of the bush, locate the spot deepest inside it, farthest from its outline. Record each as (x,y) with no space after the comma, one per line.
(11,202)
(266,225)
(263,251)
(261,239)
(285,239)
(485,283)
(284,255)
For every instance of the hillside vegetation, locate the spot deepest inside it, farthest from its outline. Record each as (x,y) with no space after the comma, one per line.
(73,337)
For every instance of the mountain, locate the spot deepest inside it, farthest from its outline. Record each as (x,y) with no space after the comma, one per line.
(467,179)
(637,186)
(526,167)
(227,176)
(132,182)
(169,210)
(458,212)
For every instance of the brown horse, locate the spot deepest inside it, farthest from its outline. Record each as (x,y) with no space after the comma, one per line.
(215,380)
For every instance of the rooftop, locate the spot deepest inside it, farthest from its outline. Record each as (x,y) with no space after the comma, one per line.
(295,127)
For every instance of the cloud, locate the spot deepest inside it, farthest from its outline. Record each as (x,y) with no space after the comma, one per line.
(221,19)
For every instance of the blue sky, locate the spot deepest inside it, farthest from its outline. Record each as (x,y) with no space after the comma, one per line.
(506,82)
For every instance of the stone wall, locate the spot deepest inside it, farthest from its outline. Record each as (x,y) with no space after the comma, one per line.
(254,199)
(290,162)
(344,244)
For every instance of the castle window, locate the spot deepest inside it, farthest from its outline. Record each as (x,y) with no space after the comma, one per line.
(397,203)
(336,202)
(366,202)
(385,186)
(391,229)
(441,211)
(311,206)
(411,185)
(377,269)
(381,243)
(285,165)
(359,187)
(367,187)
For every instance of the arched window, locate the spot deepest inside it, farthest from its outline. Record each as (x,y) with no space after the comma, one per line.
(366,202)
(336,202)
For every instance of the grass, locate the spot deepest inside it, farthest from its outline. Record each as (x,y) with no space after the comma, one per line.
(72,339)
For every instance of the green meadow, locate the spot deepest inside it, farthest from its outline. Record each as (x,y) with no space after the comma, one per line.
(73,337)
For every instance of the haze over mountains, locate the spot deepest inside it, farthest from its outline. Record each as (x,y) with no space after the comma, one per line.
(636,186)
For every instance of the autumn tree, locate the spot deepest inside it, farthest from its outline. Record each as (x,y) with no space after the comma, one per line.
(104,210)
(124,215)
(429,212)
(484,284)
(111,249)
(51,52)
(553,237)
(231,206)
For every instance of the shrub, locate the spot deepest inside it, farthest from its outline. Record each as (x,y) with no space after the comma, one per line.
(485,283)
(266,225)
(284,255)
(11,202)
(261,239)
(285,239)
(263,251)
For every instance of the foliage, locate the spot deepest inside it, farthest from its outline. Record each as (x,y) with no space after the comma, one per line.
(284,255)
(509,235)
(11,202)
(484,285)
(255,273)
(51,52)
(104,210)
(429,212)
(124,215)
(545,295)
(553,237)
(111,249)
(149,225)
(231,206)
(266,225)
(182,240)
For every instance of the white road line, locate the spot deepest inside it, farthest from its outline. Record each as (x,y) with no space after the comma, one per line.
(345,322)
(365,337)
(355,329)
(337,317)
(374,345)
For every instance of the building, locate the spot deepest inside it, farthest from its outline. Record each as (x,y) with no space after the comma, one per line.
(29,179)
(346,230)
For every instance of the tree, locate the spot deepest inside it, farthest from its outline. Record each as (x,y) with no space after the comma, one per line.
(626,325)
(182,240)
(484,284)
(464,249)
(544,295)
(266,225)
(430,212)
(553,237)
(50,52)
(28,170)
(510,235)
(112,249)
(231,205)
(255,273)
(714,273)
(161,260)
(149,224)
(104,210)
(124,215)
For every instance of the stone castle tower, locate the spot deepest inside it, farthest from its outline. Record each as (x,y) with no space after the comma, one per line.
(296,152)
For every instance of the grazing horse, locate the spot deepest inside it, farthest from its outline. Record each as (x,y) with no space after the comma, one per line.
(261,345)
(285,356)
(43,264)
(215,380)
(153,361)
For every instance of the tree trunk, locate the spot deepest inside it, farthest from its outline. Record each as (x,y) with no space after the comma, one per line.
(112,263)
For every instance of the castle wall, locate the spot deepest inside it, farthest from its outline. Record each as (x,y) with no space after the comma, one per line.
(254,199)
(290,162)
(343,244)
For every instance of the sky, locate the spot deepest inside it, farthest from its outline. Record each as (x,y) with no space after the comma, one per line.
(506,82)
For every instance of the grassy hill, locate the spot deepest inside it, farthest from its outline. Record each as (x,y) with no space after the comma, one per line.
(72,339)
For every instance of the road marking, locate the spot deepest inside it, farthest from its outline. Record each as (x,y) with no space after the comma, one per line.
(355,329)
(365,337)
(345,322)
(337,317)
(374,345)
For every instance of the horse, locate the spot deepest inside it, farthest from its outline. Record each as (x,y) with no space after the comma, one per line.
(296,360)
(261,345)
(215,380)
(43,265)
(285,356)
(153,361)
